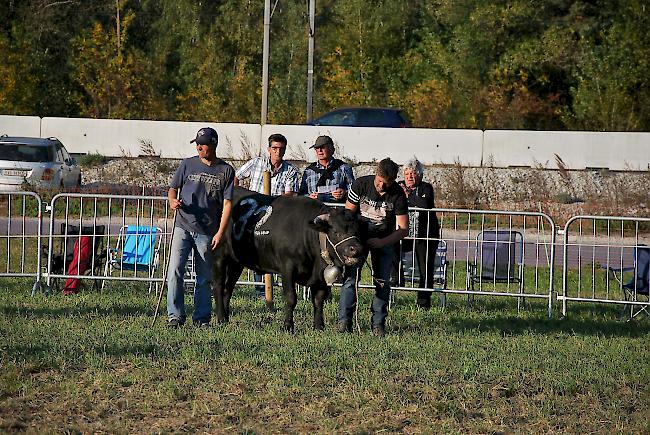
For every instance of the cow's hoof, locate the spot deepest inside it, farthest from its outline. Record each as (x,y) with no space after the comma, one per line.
(288,327)
(319,326)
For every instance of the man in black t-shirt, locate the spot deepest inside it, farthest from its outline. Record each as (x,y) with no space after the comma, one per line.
(383,206)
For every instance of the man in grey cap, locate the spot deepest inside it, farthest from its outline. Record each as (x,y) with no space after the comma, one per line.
(327,179)
(201,193)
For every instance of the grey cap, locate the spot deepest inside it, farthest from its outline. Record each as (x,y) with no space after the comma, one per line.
(323,141)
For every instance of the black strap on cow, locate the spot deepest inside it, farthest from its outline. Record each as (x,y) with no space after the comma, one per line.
(325,174)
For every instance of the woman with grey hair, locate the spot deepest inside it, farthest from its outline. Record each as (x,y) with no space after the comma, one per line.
(422,225)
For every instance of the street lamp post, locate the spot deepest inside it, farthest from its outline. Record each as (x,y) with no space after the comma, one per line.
(310,60)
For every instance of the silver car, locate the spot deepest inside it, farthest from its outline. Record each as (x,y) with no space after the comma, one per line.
(36,162)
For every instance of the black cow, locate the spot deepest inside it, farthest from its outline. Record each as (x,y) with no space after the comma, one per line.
(281,235)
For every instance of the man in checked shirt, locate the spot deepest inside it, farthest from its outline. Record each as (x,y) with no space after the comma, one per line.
(328,178)
(285,178)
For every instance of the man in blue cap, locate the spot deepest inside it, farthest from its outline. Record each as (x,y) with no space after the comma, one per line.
(201,193)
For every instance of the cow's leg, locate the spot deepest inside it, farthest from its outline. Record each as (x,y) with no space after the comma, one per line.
(319,293)
(290,300)
(218,287)
(233,273)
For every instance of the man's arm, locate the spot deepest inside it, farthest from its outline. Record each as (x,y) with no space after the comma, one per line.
(341,193)
(353,207)
(243,172)
(394,237)
(223,224)
(292,185)
(172,197)
(303,183)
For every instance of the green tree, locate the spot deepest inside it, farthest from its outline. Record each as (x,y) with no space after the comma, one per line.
(115,79)
(612,91)
(18,82)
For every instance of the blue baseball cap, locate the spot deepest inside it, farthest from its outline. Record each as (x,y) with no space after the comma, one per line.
(206,136)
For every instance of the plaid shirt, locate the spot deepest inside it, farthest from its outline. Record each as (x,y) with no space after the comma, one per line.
(285,179)
(342,177)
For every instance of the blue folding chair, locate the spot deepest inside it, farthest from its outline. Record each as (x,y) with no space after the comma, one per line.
(637,289)
(137,250)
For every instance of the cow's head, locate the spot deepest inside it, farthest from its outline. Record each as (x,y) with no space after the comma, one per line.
(343,231)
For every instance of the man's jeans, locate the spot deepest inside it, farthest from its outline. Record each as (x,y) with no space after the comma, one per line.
(382,261)
(182,244)
(260,289)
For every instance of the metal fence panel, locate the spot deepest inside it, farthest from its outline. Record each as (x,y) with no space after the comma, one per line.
(20,235)
(480,252)
(600,260)
(487,252)
(128,238)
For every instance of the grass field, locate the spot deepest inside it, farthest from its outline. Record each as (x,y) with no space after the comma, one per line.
(91,363)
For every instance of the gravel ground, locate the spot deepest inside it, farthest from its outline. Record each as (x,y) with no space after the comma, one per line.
(560,193)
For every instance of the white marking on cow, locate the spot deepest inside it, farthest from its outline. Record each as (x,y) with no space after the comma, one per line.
(267,215)
(251,208)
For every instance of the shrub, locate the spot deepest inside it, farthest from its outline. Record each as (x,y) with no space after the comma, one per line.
(93,159)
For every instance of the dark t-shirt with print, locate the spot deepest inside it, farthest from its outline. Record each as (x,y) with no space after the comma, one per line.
(378,211)
(202,189)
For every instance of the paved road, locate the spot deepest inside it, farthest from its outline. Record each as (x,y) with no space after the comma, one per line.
(540,254)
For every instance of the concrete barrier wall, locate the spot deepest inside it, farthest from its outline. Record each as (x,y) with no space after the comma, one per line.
(578,149)
(28,126)
(499,148)
(170,139)
(430,146)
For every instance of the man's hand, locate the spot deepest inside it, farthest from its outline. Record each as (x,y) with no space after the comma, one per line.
(175,204)
(338,194)
(216,240)
(313,195)
(375,243)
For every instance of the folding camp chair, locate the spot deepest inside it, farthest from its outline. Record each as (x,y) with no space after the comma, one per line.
(637,288)
(498,258)
(137,250)
(411,269)
(412,274)
(71,253)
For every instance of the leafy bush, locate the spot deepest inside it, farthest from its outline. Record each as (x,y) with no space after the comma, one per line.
(93,159)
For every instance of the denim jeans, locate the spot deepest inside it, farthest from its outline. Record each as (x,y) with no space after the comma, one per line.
(382,262)
(260,289)
(182,244)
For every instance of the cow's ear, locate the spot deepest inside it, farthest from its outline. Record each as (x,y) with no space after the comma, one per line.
(321,222)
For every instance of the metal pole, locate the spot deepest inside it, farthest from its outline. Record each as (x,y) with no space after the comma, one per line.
(265,61)
(310,60)
(164,274)
(268,278)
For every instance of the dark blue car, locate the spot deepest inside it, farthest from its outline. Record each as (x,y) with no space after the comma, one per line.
(363,117)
